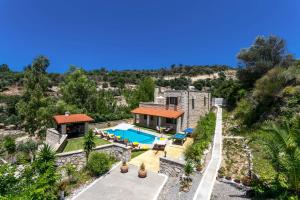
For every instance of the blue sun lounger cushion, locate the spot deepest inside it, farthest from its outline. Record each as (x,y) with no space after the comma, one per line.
(179,136)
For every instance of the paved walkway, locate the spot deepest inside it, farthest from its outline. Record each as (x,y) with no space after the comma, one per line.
(206,185)
(118,186)
(151,157)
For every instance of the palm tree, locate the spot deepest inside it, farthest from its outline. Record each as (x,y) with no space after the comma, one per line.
(89,143)
(282,145)
(46,154)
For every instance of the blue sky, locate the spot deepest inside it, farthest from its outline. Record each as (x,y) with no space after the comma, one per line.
(132,34)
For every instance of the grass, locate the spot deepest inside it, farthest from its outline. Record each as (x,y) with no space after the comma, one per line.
(136,153)
(77,143)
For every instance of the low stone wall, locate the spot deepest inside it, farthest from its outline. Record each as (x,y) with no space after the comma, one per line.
(77,158)
(170,167)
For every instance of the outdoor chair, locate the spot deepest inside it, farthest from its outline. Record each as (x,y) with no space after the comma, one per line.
(168,129)
(181,137)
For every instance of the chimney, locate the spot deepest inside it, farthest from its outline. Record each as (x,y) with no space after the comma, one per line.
(67,113)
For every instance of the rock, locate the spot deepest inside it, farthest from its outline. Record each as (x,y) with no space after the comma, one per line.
(2,125)
(11,127)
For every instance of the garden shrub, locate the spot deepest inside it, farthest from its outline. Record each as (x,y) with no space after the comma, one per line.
(202,135)
(99,163)
(22,158)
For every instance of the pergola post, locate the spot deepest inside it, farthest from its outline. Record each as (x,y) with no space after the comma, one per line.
(178,123)
(63,129)
(148,120)
(159,121)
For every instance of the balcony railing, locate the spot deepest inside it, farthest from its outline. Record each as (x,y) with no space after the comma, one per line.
(162,106)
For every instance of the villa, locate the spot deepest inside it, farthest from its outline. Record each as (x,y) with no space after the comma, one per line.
(178,109)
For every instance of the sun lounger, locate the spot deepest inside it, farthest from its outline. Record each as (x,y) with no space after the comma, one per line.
(135,144)
(180,137)
(118,139)
(103,134)
(160,144)
(126,141)
(110,136)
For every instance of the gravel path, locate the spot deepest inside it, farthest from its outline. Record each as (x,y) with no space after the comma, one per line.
(224,191)
(171,189)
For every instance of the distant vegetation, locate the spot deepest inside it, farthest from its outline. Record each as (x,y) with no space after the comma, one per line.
(266,111)
(93,92)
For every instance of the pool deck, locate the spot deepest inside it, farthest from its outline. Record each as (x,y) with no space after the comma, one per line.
(151,157)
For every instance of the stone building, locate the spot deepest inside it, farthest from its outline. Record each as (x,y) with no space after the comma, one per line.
(179,109)
(67,125)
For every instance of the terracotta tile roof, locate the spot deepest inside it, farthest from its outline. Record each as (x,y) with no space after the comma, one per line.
(72,118)
(160,112)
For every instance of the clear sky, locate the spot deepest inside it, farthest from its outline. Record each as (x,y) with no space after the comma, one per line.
(131,34)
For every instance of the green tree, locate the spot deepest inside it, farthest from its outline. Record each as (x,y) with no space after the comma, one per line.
(77,89)
(4,68)
(29,147)
(89,143)
(263,55)
(35,99)
(143,93)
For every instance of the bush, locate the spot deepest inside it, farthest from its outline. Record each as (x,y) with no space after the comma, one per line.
(22,158)
(99,163)
(202,137)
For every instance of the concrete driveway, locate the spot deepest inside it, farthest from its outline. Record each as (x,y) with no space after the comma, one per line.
(118,186)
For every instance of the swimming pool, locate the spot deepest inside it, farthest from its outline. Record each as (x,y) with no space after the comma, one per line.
(133,135)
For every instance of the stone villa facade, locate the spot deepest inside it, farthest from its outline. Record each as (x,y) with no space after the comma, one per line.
(179,109)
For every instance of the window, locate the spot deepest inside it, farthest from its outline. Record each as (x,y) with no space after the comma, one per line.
(193,104)
(151,118)
(204,101)
(170,121)
(145,117)
(172,100)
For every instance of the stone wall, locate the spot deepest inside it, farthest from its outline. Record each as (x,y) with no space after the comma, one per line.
(56,140)
(77,158)
(170,167)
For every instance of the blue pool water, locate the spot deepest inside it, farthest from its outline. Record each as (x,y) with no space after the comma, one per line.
(133,135)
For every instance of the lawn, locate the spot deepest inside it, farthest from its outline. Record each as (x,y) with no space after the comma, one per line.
(136,153)
(77,143)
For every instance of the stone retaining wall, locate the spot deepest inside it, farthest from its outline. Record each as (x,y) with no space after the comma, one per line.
(77,158)
(170,167)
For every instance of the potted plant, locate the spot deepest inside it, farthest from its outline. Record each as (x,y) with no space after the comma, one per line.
(124,167)
(186,180)
(142,172)
(199,167)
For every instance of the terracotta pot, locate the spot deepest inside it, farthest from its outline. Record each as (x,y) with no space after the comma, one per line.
(199,168)
(142,173)
(185,189)
(124,168)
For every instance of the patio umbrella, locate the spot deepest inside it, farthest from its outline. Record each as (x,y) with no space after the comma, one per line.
(188,130)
